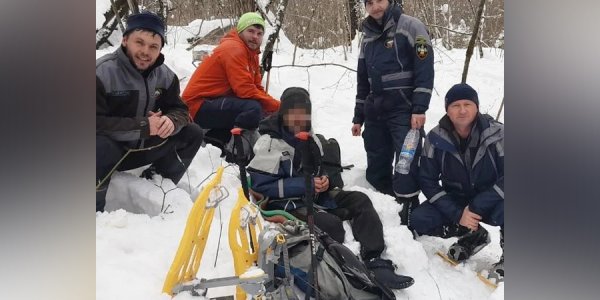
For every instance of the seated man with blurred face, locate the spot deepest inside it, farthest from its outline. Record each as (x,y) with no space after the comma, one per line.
(138,108)
(465,152)
(276,173)
(225,91)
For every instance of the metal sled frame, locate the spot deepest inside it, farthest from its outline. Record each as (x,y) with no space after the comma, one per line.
(244,222)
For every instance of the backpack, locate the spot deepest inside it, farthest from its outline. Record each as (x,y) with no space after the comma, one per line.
(341,275)
(331,162)
(248,139)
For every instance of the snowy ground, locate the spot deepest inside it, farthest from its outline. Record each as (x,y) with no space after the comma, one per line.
(137,240)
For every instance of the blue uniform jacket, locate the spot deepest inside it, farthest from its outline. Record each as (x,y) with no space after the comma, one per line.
(395,67)
(474,178)
(276,170)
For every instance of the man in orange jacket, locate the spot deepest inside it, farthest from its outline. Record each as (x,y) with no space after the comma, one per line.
(225,91)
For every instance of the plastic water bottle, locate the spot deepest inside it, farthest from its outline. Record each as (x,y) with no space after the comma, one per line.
(408,151)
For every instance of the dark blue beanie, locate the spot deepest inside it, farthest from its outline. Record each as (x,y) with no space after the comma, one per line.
(146,20)
(461,91)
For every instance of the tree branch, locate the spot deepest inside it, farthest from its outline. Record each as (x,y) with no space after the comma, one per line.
(316,65)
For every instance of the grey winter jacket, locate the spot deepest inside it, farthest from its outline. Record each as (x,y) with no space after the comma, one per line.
(124,96)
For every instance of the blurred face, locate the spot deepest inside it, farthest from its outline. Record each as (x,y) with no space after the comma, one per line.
(252,36)
(143,48)
(297,120)
(376,8)
(462,113)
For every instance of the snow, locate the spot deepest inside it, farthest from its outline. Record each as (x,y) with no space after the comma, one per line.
(136,240)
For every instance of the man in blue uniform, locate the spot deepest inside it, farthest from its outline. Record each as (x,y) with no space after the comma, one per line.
(395,79)
(466,153)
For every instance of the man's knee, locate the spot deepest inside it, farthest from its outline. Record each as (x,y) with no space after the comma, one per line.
(496,216)
(192,133)
(360,200)
(425,219)
(108,153)
(250,115)
(330,224)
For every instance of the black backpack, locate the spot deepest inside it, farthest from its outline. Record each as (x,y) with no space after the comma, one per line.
(341,273)
(331,162)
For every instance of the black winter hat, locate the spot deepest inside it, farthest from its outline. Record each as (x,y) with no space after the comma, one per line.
(461,91)
(294,97)
(146,20)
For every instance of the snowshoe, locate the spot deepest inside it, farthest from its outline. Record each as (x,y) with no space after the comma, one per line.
(497,271)
(469,244)
(383,269)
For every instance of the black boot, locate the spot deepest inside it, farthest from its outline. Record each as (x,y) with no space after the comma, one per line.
(454,230)
(383,269)
(149,172)
(408,205)
(469,244)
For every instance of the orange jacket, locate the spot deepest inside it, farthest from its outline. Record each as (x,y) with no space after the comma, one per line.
(232,69)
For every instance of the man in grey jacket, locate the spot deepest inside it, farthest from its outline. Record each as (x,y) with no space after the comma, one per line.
(140,118)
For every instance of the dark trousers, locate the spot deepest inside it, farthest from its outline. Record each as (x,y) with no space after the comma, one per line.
(170,160)
(383,139)
(358,209)
(222,114)
(426,219)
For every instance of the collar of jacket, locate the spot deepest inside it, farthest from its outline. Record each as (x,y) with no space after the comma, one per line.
(273,126)
(233,35)
(486,129)
(390,18)
(129,65)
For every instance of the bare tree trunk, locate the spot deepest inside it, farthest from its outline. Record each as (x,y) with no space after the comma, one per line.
(163,12)
(312,15)
(112,19)
(133,6)
(500,110)
(353,15)
(480,40)
(437,30)
(280,14)
(472,41)
(116,12)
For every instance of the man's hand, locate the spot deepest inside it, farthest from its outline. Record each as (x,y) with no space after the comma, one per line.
(417,121)
(160,125)
(356,129)
(321,184)
(470,219)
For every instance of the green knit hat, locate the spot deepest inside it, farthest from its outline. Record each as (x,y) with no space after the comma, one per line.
(249,19)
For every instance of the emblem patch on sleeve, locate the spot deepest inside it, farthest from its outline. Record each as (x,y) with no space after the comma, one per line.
(421,47)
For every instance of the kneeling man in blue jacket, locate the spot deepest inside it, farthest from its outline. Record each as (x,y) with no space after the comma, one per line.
(462,175)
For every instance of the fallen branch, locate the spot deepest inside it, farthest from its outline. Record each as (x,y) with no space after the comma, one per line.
(451,30)
(316,65)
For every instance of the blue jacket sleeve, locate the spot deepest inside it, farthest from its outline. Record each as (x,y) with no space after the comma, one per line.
(429,178)
(487,200)
(271,169)
(423,68)
(363,89)
(275,186)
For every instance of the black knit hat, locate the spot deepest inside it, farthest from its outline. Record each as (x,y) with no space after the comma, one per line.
(294,97)
(461,91)
(146,20)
